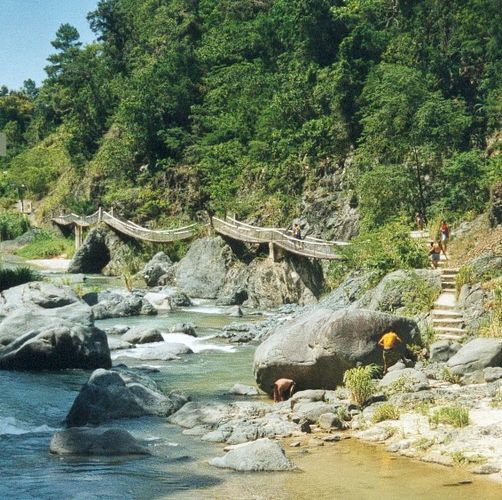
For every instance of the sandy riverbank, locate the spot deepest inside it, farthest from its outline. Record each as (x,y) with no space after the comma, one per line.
(52,265)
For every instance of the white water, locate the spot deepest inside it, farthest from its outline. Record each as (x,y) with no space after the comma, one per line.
(15,427)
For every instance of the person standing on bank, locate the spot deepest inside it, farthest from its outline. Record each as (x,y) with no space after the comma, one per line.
(391,354)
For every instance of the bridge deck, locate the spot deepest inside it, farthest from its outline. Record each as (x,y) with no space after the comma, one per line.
(307,247)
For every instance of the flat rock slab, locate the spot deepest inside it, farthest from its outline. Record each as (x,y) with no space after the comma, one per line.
(259,455)
(98,442)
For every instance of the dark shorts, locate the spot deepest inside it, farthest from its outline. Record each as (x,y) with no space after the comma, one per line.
(435,256)
(391,356)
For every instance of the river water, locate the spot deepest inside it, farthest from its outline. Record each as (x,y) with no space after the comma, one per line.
(34,404)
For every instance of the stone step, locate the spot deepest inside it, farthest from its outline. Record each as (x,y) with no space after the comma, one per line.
(449,289)
(446,313)
(449,329)
(450,270)
(441,321)
(448,279)
(446,336)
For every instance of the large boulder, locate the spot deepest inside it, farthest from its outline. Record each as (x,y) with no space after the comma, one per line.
(442,350)
(113,394)
(316,349)
(57,346)
(47,327)
(97,251)
(142,335)
(117,305)
(396,288)
(202,271)
(476,355)
(156,269)
(259,455)
(292,280)
(96,442)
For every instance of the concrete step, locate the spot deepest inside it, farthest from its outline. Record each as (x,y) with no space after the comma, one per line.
(449,329)
(450,270)
(448,279)
(438,306)
(446,336)
(447,322)
(446,313)
(449,289)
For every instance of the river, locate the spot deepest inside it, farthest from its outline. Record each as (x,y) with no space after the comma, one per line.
(34,404)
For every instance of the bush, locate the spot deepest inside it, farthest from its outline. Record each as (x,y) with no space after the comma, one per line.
(386,411)
(458,416)
(421,297)
(465,276)
(359,381)
(492,327)
(381,251)
(46,245)
(12,225)
(16,276)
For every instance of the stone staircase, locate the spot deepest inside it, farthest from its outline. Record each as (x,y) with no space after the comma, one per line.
(447,321)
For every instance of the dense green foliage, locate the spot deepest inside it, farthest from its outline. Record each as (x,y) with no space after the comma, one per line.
(380,251)
(12,225)
(46,245)
(243,105)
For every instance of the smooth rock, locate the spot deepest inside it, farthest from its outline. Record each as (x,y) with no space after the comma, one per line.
(316,348)
(186,328)
(413,379)
(155,269)
(96,442)
(259,455)
(476,355)
(442,350)
(243,390)
(113,394)
(142,335)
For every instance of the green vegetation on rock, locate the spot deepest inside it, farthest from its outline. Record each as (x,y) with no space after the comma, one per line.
(12,225)
(46,245)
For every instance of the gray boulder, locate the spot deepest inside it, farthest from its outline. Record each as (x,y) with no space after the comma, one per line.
(156,268)
(259,455)
(113,394)
(476,355)
(47,327)
(391,293)
(413,380)
(442,350)
(316,349)
(292,280)
(186,328)
(349,291)
(177,297)
(96,442)
(97,251)
(243,390)
(142,335)
(31,306)
(57,346)
(202,271)
(119,306)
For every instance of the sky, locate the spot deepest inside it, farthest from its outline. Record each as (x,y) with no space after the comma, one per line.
(26,30)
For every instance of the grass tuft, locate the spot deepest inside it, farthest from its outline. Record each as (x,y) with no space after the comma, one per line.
(458,416)
(359,381)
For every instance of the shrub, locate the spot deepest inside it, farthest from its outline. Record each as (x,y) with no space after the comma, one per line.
(46,245)
(386,411)
(465,276)
(420,297)
(12,225)
(458,416)
(448,376)
(492,327)
(359,381)
(16,276)
(381,251)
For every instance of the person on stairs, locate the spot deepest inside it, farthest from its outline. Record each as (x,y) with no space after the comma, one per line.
(445,236)
(435,253)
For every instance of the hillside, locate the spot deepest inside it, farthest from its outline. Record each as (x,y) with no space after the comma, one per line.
(344,113)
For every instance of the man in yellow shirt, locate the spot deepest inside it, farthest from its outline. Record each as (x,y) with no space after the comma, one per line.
(391,355)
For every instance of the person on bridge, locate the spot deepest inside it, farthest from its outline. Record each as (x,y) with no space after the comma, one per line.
(297,232)
(419,221)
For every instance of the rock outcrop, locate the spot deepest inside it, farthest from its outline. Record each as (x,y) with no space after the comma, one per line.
(96,442)
(113,394)
(259,455)
(315,349)
(97,251)
(119,305)
(475,355)
(157,270)
(44,327)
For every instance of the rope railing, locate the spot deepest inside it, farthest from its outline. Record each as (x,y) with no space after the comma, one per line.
(128,228)
(308,247)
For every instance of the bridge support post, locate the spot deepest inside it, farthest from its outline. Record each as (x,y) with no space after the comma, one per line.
(79,236)
(272,252)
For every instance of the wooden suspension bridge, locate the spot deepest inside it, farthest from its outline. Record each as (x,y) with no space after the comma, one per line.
(278,239)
